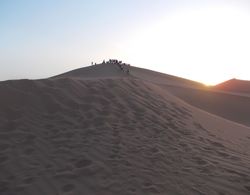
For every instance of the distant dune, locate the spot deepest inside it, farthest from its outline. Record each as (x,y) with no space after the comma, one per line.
(231,106)
(103,130)
(235,85)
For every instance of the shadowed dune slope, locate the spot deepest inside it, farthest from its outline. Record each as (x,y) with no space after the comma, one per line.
(233,107)
(234,85)
(115,136)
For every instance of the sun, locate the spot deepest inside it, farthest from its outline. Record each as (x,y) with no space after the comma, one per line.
(208,44)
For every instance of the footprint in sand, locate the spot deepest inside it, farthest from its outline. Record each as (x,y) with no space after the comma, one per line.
(68,188)
(11,125)
(83,163)
(148,184)
(152,189)
(132,190)
(4,147)
(3,159)
(3,186)
(217,144)
(223,154)
(29,151)
(200,161)
(28,180)
(247,188)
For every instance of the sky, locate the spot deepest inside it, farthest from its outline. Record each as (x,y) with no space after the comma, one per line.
(202,40)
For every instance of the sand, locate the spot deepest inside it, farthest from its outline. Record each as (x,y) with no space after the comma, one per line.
(107,132)
(232,106)
(235,85)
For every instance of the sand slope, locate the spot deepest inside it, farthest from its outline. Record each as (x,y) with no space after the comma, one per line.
(113,71)
(234,85)
(231,106)
(116,135)
(230,100)
(164,79)
(106,70)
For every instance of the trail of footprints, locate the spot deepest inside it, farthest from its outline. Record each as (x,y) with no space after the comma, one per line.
(112,146)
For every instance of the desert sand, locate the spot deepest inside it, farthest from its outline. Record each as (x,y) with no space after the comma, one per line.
(100,131)
(235,85)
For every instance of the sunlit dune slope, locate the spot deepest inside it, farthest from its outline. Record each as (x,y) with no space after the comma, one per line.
(115,135)
(113,71)
(160,78)
(229,100)
(234,85)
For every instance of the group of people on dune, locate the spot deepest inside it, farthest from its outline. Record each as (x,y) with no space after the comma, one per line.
(122,66)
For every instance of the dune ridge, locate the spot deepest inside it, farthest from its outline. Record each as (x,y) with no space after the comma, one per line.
(234,85)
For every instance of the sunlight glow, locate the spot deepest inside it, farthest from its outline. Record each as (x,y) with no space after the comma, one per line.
(212,43)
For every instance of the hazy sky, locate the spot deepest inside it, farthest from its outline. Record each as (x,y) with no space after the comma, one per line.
(207,41)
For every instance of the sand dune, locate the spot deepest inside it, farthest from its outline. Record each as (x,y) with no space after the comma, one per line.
(230,100)
(164,79)
(234,107)
(234,85)
(106,70)
(94,131)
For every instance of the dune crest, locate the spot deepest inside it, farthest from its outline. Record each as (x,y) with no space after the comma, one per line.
(235,85)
